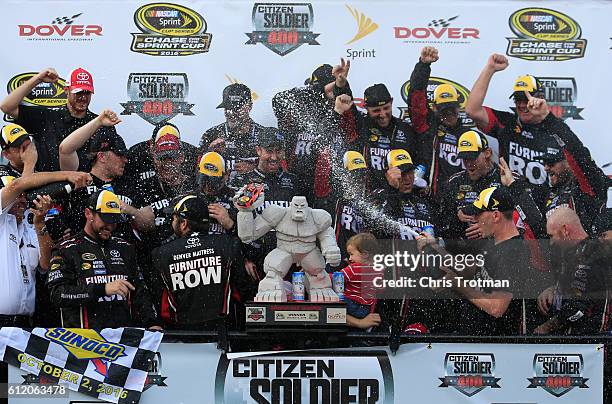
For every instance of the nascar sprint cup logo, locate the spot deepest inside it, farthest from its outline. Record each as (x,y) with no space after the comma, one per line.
(157,97)
(282,27)
(304,377)
(170,30)
(558,373)
(545,35)
(44,94)
(434,82)
(469,373)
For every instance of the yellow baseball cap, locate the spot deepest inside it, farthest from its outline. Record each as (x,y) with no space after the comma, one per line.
(446,95)
(167,129)
(212,164)
(526,83)
(489,200)
(13,135)
(353,160)
(107,205)
(471,143)
(5,180)
(401,159)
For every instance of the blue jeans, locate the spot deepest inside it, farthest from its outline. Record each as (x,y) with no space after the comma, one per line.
(357,310)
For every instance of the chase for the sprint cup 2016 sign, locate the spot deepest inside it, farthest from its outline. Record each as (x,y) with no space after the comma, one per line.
(170,30)
(282,27)
(157,97)
(545,35)
(304,377)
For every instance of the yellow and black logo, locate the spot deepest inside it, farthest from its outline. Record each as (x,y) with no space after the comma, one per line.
(85,344)
(44,94)
(170,30)
(85,266)
(545,35)
(432,84)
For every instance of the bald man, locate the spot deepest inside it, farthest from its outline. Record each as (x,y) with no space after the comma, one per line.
(577,302)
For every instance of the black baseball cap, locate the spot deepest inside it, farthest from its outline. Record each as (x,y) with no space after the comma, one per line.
(192,207)
(552,155)
(235,96)
(376,95)
(490,200)
(270,137)
(321,75)
(107,139)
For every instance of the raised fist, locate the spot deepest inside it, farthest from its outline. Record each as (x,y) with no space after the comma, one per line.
(344,102)
(497,62)
(429,54)
(48,75)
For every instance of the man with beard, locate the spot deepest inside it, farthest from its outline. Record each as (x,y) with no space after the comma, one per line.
(439,128)
(523,136)
(25,247)
(140,163)
(236,138)
(51,125)
(464,187)
(94,277)
(578,300)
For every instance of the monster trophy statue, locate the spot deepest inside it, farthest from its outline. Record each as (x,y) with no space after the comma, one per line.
(298,228)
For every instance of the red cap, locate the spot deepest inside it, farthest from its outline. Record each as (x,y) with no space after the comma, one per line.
(80,80)
(167,145)
(415,329)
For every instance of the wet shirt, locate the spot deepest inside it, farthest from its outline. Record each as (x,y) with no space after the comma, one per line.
(407,209)
(140,161)
(508,260)
(224,198)
(49,126)
(348,221)
(570,195)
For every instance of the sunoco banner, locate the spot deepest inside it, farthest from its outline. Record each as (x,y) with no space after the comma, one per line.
(418,373)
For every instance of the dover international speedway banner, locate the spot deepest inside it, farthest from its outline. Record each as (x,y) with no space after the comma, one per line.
(419,373)
(169,61)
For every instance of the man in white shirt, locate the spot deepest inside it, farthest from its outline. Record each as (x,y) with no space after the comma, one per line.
(20,252)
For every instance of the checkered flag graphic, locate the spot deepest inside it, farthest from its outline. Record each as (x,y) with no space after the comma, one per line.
(65,20)
(71,357)
(441,22)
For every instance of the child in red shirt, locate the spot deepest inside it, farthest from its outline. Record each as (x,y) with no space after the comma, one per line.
(359,274)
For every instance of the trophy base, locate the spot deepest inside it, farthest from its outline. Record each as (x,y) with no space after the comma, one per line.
(305,316)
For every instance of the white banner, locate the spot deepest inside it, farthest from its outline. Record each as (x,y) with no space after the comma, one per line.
(420,373)
(159,61)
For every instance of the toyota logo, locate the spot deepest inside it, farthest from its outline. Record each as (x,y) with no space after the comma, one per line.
(82,76)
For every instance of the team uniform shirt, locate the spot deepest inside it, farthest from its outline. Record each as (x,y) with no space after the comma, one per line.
(49,126)
(378,142)
(358,283)
(6,170)
(238,147)
(140,161)
(580,300)
(461,192)
(196,270)
(80,269)
(439,143)
(407,209)
(348,221)
(19,255)
(571,196)
(508,260)
(225,198)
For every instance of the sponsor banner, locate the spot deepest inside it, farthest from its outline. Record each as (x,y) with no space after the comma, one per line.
(74,27)
(426,373)
(448,30)
(157,97)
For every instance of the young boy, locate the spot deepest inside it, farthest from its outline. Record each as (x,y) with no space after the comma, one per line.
(358,275)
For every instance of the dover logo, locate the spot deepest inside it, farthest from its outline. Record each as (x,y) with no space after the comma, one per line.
(87,344)
(431,87)
(438,31)
(305,377)
(545,35)
(170,30)
(561,95)
(558,374)
(60,29)
(470,373)
(157,97)
(282,27)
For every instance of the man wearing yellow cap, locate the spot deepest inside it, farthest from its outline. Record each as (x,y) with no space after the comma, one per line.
(524,135)
(440,125)
(19,149)
(94,277)
(212,180)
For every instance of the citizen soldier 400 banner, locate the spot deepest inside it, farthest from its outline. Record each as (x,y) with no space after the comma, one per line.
(418,373)
(156,62)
